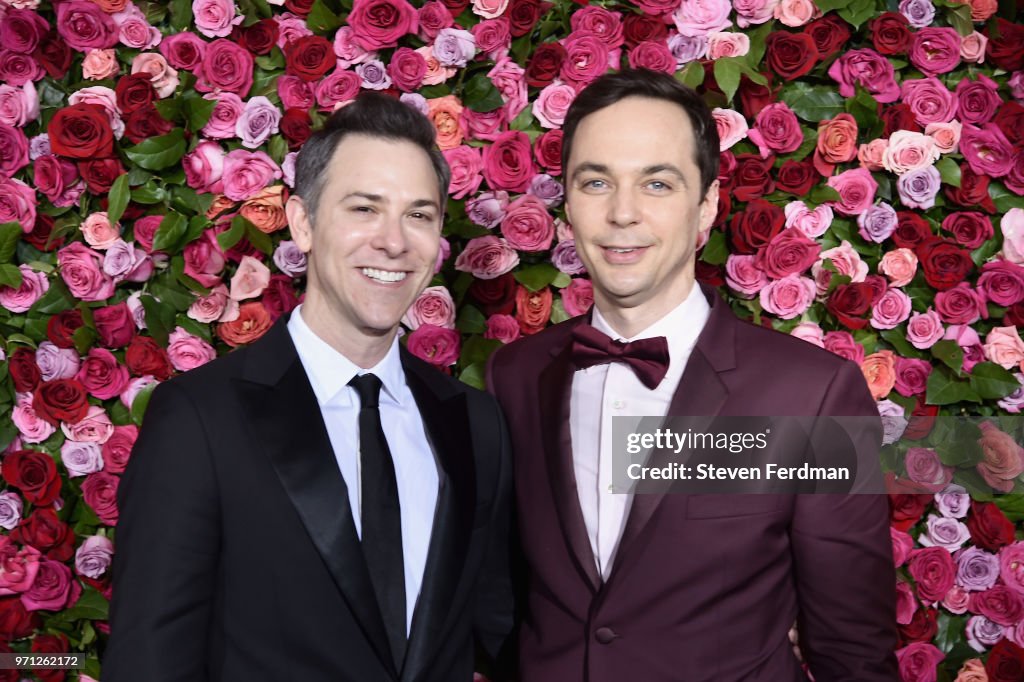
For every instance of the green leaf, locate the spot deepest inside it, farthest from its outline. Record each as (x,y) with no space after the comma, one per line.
(474,375)
(481,96)
(1012,506)
(10,235)
(254,10)
(118,198)
(561,281)
(171,233)
(471,320)
(197,111)
(536,277)
(951,630)
(158,153)
(159,318)
(863,107)
(727,74)
(149,193)
(56,299)
(829,5)
(950,354)
(813,103)
(945,390)
(83,338)
(716,251)
(169,109)
(960,448)
(181,14)
(322,19)
(949,171)
(140,404)
(10,275)
(7,432)
(233,234)
(692,75)
(991,381)
(982,254)
(857,12)
(807,146)
(523,121)
(477,349)
(959,17)
(260,240)
(1004,199)
(172,295)
(823,194)
(758,38)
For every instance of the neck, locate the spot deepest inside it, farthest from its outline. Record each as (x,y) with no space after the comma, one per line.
(362,348)
(628,319)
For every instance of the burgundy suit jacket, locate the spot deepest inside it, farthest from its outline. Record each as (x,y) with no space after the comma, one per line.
(703,587)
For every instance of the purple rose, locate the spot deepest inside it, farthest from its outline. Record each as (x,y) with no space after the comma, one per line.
(565,258)
(926,469)
(986,150)
(983,633)
(976,569)
(81,458)
(547,189)
(1012,403)
(258,122)
(919,13)
(878,222)
(687,48)
(935,50)
(948,534)
(918,188)
(246,173)
(894,421)
(373,75)
(11,507)
(92,559)
(488,209)
(930,100)
(870,70)
(953,502)
(454,47)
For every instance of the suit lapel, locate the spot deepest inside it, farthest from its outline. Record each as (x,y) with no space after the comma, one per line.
(284,414)
(555,396)
(447,424)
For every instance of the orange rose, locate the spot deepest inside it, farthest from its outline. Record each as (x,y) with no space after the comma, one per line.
(444,114)
(253,321)
(899,266)
(266,209)
(837,142)
(880,372)
(111,6)
(1002,459)
(982,10)
(870,154)
(221,204)
(533,308)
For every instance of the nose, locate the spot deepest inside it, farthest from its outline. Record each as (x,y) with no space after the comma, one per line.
(623,209)
(390,238)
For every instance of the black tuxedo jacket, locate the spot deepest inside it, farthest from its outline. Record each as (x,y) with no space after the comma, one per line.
(237,559)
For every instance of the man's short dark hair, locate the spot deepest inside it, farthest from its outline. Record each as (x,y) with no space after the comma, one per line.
(612,87)
(374,115)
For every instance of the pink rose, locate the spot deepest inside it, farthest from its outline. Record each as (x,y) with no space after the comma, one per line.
(909,151)
(809,332)
(945,135)
(407,69)
(776,129)
(118,448)
(795,13)
(434,307)
(999,604)
(508,162)
(94,427)
(504,328)
(215,18)
(789,252)
(33,286)
(98,231)
(812,223)
(99,490)
(727,44)
(906,603)
(465,163)
(600,22)
(788,297)
(919,661)
(437,345)
(933,570)
(1002,282)
(744,276)
(845,260)
(899,266)
(1011,566)
(929,99)
(226,67)
(655,55)
(211,308)
(18,105)
(1004,347)
(732,127)
(17,204)
(870,155)
(53,588)
(890,310)
(483,126)
(868,69)
(188,352)
(296,93)
(856,190)
(510,80)
(935,50)
(346,49)
(972,47)
(81,458)
(161,75)
(527,225)
(81,268)
(32,427)
(979,99)
(489,9)
(586,58)
(135,387)
(960,305)
(84,26)
(701,17)
(100,64)
(101,375)
(204,167)
(1002,459)
(987,150)
(432,17)
(845,346)
(14,148)
(487,257)
(224,120)
(1012,227)
(380,23)
(552,104)
(578,296)
(246,173)
(20,566)
(924,329)
(204,260)
(338,86)
(183,50)
(249,281)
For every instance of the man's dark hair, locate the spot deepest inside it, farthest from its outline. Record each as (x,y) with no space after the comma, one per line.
(374,115)
(612,87)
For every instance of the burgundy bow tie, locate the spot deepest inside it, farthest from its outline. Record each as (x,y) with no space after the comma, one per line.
(648,358)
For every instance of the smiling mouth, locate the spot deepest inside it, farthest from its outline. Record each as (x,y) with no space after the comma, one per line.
(384,276)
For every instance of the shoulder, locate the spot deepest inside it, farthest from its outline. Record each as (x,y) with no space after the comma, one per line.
(774,352)
(525,353)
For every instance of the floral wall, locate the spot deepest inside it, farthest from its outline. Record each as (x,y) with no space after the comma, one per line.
(872,203)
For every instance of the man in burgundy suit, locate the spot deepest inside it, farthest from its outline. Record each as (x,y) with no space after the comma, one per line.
(676,587)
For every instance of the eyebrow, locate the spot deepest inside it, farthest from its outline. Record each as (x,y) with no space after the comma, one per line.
(381,199)
(590,167)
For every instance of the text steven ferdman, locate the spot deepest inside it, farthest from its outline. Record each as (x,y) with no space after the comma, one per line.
(712,472)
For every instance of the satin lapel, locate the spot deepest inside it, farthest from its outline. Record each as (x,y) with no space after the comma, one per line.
(701,393)
(445,416)
(555,394)
(284,414)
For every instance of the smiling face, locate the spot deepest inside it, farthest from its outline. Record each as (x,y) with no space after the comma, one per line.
(373,242)
(635,204)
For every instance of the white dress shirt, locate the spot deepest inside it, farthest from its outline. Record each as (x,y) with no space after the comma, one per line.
(416,468)
(603,391)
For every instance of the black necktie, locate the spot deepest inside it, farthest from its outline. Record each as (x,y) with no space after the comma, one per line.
(381,516)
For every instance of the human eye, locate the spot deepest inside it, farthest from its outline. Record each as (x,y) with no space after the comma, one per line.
(363,209)
(659,185)
(422,216)
(593,184)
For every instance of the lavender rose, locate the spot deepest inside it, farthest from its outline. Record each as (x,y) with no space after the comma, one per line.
(976,569)
(258,122)
(92,559)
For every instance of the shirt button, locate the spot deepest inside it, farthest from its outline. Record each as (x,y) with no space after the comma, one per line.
(618,404)
(605,635)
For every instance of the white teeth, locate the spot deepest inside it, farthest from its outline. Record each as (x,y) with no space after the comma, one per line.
(622,250)
(384,275)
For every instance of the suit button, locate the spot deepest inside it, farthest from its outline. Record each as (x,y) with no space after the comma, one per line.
(605,635)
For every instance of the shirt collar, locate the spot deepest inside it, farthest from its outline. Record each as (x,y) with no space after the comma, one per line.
(329,371)
(680,327)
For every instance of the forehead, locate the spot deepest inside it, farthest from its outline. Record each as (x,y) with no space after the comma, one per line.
(363,162)
(636,131)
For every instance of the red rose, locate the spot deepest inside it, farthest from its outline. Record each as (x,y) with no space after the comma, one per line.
(970,229)
(1004,41)
(899,117)
(118,448)
(724,208)
(495,296)
(296,126)
(144,356)
(15,621)
(639,28)
(830,33)
(134,92)
(921,628)
(752,229)
(226,66)
(712,275)
(61,400)
(99,490)
(944,263)
(849,303)
(261,37)
(933,571)
(989,527)
(973,190)
(523,15)
(911,230)
(81,131)
(1010,119)
(789,252)
(34,474)
(922,420)
(1002,282)
(890,33)
(544,64)
(299,7)
(380,23)
(24,370)
(47,533)
(456,7)
(753,178)
(279,296)
(54,54)
(790,55)
(753,97)
(548,150)
(533,309)
(41,235)
(796,177)
(61,327)
(50,644)
(309,58)
(1005,662)
(114,324)
(100,174)
(1015,315)
(145,123)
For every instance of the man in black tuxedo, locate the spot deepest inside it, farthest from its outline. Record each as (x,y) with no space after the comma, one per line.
(322,505)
